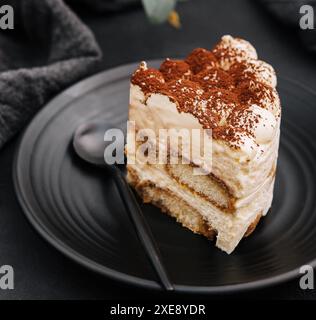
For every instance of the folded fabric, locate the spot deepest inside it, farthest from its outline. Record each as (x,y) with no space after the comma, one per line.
(288,11)
(48,50)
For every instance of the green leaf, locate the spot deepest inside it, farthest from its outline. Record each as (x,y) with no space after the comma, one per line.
(158,10)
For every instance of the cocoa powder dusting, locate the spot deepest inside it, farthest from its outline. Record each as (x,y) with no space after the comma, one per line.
(219,99)
(253,92)
(149,80)
(211,78)
(175,69)
(200,58)
(187,94)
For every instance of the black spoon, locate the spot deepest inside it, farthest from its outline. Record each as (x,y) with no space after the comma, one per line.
(89,144)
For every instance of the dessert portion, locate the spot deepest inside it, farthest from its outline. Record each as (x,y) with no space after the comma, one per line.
(228,90)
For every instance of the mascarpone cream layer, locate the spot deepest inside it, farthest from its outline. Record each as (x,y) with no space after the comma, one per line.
(230,227)
(244,170)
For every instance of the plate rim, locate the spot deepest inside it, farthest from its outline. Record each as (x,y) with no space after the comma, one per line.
(75,91)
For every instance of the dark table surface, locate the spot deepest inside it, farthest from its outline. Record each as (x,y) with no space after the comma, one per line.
(43,273)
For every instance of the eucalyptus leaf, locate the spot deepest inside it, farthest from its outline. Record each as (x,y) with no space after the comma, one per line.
(158,10)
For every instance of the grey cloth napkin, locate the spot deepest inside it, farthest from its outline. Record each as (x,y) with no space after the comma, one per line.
(49,49)
(288,12)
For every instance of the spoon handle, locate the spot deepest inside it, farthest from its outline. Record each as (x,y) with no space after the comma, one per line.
(142,228)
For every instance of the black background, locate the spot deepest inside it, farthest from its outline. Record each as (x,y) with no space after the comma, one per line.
(43,273)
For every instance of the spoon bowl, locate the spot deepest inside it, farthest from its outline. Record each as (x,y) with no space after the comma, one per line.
(89,141)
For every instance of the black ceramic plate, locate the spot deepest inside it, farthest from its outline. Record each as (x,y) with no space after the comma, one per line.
(76,207)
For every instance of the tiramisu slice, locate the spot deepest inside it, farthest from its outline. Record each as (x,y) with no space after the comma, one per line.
(231,92)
